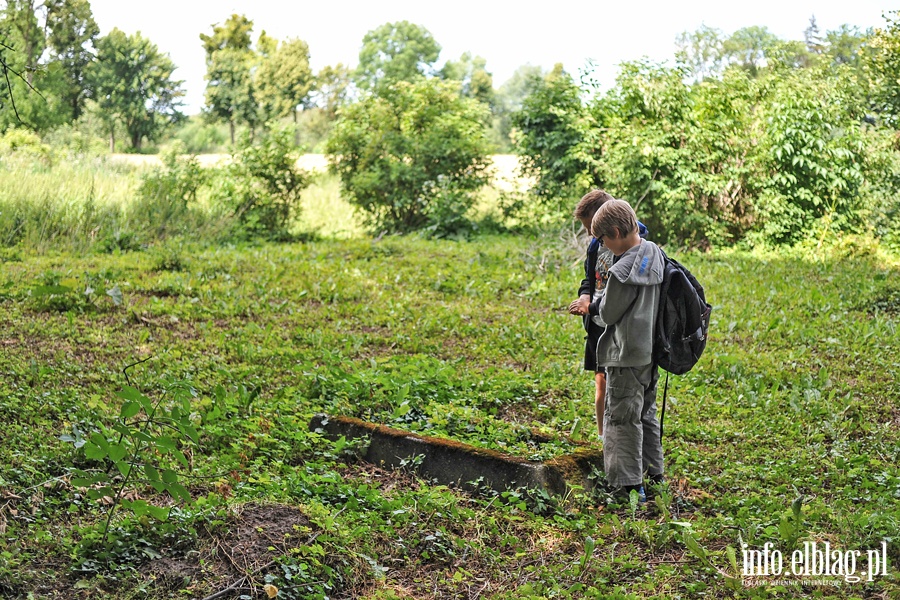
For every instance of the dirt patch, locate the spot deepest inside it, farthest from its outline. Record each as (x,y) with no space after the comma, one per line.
(237,560)
(262,532)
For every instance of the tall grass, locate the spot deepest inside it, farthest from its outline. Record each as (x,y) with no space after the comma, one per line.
(86,202)
(325,212)
(69,203)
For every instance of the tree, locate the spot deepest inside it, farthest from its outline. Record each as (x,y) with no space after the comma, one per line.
(332,88)
(284,79)
(474,78)
(72,34)
(812,37)
(702,52)
(21,31)
(29,89)
(508,99)
(815,155)
(234,34)
(133,85)
(229,62)
(847,45)
(400,51)
(884,64)
(747,48)
(412,156)
(553,125)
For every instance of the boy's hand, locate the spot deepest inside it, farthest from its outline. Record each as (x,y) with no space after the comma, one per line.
(580,306)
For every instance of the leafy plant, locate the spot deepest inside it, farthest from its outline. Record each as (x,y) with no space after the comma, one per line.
(166,195)
(144,447)
(412,157)
(261,185)
(54,293)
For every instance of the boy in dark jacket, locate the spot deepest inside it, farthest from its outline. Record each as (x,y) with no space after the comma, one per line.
(632,444)
(596,265)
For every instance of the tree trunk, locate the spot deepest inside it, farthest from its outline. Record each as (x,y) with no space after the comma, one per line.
(231,129)
(112,140)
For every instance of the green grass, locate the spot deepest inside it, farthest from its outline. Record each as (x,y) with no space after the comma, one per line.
(796,397)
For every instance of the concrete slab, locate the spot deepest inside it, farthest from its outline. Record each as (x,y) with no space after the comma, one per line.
(453,463)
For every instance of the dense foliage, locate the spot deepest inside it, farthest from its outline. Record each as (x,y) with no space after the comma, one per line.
(776,143)
(262,185)
(412,156)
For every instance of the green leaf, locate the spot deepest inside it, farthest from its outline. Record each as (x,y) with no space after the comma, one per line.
(94,452)
(124,467)
(138,507)
(130,393)
(179,491)
(117,452)
(732,558)
(164,443)
(181,458)
(191,432)
(694,546)
(159,512)
(152,473)
(130,409)
(169,476)
(796,508)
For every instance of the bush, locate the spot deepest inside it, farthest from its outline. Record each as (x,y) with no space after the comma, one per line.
(199,137)
(553,126)
(770,159)
(412,157)
(166,194)
(26,145)
(261,186)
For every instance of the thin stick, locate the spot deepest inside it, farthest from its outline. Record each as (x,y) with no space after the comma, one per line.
(134,364)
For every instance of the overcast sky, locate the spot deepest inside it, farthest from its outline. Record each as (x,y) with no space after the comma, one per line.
(507,34)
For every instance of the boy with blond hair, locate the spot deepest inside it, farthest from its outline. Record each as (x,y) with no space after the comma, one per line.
(628,307)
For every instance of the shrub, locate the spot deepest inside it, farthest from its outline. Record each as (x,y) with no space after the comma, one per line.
(25,144)
(261,186)
(166,194)
(553,126)
(198,136)
(412,157)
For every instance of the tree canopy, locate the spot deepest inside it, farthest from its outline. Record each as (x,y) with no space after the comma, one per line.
(393,52)
(133,83)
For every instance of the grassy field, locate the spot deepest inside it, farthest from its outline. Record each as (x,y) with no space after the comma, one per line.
(787,431)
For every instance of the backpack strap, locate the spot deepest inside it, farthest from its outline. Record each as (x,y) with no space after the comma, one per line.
(662,414)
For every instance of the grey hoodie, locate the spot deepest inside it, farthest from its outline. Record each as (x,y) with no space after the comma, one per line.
(629,307)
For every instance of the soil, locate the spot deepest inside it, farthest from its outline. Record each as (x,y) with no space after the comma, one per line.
(255,537)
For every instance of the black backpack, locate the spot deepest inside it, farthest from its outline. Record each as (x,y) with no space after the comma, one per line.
(682,324)
(682,321)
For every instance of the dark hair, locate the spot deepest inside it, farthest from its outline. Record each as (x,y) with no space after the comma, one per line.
(590,202)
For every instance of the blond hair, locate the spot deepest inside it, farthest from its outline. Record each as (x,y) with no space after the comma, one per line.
(614,215)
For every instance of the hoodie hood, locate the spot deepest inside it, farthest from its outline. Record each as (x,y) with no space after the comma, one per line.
(641,265)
